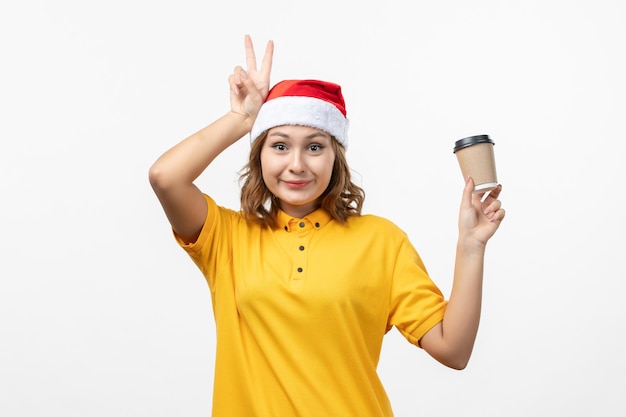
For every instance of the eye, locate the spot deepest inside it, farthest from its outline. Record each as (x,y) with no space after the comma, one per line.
(279,146)
(316,147)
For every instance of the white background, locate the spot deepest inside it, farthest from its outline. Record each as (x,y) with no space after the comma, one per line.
(101,314)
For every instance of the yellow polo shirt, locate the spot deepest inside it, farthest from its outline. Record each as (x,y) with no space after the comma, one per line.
(301,311)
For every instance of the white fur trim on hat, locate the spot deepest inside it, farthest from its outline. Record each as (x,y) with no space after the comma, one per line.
(301,111)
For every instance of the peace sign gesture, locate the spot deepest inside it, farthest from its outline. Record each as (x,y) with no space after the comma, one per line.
(249,87)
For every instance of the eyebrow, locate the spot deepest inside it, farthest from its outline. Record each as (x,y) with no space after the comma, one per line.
(311,136)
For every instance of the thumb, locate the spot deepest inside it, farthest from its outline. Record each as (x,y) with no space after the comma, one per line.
(468,192)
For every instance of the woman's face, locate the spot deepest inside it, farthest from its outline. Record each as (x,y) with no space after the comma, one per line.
(297,165)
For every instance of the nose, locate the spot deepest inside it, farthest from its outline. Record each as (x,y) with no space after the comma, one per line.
(296,162)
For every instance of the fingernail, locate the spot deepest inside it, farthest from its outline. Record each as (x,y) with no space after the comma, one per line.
(244,75)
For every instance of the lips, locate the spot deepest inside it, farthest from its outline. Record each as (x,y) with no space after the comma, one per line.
(296,184)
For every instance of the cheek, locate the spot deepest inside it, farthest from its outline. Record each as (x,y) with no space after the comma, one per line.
(264,164)
(328,168)
(267,173)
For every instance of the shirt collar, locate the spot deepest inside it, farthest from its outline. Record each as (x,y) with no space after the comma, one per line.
(315,220)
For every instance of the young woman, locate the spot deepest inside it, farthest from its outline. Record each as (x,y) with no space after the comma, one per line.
(304,287)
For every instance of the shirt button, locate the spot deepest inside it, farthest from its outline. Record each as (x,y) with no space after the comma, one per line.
(301,224)
(301,247)
(299,269)
(286,229)
(317,224)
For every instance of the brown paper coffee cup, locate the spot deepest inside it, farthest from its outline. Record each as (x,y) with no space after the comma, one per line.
(476,159)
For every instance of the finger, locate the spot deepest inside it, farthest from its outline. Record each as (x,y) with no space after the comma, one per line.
(253,96)
(493,207)
(499,215)
(232,85)
(496,191)
(235,79)
(250,56)
(266,65)
(490,195)
(467,192)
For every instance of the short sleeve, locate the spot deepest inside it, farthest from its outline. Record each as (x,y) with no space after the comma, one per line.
(416,303)
(213,246)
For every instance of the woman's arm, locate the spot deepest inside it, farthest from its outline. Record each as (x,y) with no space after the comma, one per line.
(452,340)
(173,174)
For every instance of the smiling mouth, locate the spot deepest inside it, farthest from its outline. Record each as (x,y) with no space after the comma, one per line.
(296,184)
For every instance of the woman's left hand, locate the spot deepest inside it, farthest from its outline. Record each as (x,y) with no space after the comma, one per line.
(478,219)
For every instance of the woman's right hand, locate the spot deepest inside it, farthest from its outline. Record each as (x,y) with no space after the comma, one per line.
(172,176)
(249,87)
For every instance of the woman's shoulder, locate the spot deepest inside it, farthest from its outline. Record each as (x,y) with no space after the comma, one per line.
(224,214)
(378,223)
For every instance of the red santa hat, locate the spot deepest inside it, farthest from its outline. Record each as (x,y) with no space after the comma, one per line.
(313,103)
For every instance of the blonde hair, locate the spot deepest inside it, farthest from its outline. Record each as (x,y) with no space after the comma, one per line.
(342,198)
